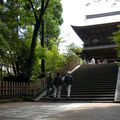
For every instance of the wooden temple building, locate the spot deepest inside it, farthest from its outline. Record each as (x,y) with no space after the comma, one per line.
(97,39)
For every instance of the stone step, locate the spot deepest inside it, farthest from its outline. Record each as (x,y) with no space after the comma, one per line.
(90,86)
(88,95)
(102,99)
(91,89)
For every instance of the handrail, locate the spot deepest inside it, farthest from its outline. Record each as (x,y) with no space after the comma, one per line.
(69,67)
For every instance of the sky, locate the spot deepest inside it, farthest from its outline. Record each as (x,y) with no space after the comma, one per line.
(74,12)
(67,33)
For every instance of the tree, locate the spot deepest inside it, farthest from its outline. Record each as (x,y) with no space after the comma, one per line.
(38,20)
(4,34)
(54,60)
(8,32)
(23,20)
(74,49)
(116,39)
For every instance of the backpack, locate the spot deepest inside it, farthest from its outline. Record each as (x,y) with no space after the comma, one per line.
(68,79)
(57,81)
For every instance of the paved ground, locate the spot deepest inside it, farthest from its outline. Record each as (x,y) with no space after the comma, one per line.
(59,111)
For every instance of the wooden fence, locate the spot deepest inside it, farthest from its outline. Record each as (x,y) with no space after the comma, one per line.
(13,90)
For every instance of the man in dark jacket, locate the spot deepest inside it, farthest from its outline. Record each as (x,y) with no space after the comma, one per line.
(57,85)
(68,82)
(49,82)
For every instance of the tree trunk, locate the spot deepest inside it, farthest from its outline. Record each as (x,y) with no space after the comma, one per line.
(42,44)
(30,61)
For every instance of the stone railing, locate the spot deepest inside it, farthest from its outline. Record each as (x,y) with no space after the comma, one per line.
(69,67)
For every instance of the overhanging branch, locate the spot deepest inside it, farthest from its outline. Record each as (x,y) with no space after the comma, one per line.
(45,7)
(36,17)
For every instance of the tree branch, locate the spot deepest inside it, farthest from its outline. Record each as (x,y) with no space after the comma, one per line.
(43,8)
(46,5)
(36,17)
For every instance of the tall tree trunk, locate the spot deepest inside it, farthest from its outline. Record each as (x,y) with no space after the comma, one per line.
(30,61)
(42,44)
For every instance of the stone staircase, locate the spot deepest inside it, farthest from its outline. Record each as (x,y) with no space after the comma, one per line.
(94,83)
(91,83)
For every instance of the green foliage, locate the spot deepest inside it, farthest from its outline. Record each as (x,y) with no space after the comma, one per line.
(54,60)
(16,31)
(53,19)
(73,49)
(52,24)
(4,36)
(73,53)
(116,39)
